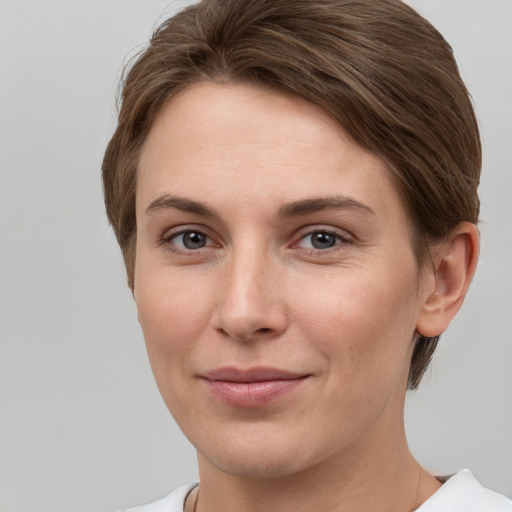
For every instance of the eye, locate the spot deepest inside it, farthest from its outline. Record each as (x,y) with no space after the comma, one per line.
(190,240)
(321,240)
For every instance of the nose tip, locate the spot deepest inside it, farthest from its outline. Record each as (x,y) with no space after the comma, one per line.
(250,305)
(244,328)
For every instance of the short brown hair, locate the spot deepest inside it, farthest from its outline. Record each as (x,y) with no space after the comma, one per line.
(382,71)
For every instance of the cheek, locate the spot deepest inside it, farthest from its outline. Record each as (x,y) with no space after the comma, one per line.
(363,321)
(172,313)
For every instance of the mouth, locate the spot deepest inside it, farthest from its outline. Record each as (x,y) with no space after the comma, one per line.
(253,387)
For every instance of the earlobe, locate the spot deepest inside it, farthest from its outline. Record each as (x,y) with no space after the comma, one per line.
(454,267)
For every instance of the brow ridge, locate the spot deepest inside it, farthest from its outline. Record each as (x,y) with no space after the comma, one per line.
(292,209)
(166,201)
(308,206)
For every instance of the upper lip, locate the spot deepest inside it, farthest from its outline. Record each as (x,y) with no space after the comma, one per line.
(255,374)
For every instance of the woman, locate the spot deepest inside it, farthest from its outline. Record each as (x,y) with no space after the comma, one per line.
(294,189)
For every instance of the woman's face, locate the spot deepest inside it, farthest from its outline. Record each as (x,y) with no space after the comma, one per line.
(275,281)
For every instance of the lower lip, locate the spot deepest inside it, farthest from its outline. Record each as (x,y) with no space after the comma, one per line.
(252,394)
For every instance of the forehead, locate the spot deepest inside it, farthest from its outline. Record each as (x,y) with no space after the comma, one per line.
(239,140)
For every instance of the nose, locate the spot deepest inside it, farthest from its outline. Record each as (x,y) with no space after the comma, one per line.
(251,302)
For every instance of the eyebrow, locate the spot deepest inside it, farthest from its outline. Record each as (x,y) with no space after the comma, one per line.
(167,201)
(308,206)
(293,209)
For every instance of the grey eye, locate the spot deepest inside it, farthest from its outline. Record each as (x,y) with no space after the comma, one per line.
(323,240)
(190,240)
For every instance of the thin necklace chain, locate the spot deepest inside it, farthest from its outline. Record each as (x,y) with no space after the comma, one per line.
(195,501)
(194,508)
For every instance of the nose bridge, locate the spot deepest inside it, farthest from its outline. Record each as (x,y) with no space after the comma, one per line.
(249,301)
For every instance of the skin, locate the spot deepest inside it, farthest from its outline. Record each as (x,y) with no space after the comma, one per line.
(233,165)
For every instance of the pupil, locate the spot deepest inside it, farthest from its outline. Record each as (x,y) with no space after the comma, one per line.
(323,240)
(194,240)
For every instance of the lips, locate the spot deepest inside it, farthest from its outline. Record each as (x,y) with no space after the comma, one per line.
(253,387)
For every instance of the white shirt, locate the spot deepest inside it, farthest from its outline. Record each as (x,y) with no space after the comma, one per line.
(460,493)
(463,493)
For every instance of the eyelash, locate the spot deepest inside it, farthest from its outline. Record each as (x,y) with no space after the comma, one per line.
(341,240)
(167,240)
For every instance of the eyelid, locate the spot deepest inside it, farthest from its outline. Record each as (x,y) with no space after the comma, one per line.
(184,228)
(169,234)
(166,237)
(343,235)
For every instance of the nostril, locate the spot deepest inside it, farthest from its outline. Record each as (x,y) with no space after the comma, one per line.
(246,335)
(247,320)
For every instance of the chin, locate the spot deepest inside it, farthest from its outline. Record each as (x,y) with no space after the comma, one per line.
(256,466)
(257,454)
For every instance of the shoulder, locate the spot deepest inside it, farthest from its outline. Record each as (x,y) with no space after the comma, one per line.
(171,503)
(463,493)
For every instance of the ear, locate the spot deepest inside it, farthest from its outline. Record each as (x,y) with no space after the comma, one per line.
(448,281)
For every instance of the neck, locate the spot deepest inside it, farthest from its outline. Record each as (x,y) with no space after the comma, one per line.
(376,476)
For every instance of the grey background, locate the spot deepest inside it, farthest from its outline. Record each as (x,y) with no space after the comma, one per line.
(82,427)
